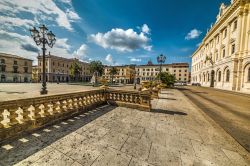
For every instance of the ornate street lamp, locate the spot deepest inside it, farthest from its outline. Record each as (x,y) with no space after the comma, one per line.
(43,37)
(161,59)
(135,79)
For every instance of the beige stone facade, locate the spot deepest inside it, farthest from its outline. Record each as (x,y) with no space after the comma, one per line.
(58,69)
(35,74)
(149,72)
(14,68)
(125,74)
(223,58)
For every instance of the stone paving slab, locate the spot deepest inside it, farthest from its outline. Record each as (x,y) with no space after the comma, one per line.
(175,133)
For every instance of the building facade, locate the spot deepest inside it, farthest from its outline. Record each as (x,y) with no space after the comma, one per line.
(14,68)
(149,72)
(223,58)
(125,74)
(58,69)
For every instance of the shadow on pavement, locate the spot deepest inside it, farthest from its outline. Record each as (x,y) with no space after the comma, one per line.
(168,112)
(29,144)
(167,98)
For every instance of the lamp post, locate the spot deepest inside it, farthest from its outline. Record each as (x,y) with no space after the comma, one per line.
(43,38)
(161,59)
(135,79)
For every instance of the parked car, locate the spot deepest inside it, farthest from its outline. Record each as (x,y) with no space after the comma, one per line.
(196,84)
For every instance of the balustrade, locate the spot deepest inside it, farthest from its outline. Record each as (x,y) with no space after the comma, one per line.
(36,112)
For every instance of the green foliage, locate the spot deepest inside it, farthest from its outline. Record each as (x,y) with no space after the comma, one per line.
(167,78)
(113,71)
(96,66)
(75,70)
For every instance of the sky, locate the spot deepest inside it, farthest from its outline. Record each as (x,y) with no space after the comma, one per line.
(117,32)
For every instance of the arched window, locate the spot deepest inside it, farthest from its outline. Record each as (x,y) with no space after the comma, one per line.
(219,76)
(248,78)
(208,78)
(227,75)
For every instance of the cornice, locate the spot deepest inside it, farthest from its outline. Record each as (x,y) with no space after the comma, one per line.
(231,9)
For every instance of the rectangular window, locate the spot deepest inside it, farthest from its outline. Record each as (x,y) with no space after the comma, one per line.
(15,62)
(224,52)
(233,49)
(225,33)
(25,69)
(235,25)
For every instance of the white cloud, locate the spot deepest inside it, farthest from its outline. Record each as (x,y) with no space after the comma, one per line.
(10,22)
(81,52)
(121,40)
(109,58)
(135,59)
(41,10)
(193,34)
(72,15)
(145,29)
(26,47)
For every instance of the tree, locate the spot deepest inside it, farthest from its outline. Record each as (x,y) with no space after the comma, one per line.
(75,70)
(96,67)
(113,71)
(167,78)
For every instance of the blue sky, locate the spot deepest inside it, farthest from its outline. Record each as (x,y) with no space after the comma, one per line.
(114,31)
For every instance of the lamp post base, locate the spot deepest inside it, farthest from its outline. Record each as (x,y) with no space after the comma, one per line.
(43,91)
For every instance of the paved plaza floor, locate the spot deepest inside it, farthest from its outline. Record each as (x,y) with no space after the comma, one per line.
(174,133)
(13,91)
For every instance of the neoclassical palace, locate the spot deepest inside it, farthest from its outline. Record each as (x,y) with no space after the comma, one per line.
(223,58)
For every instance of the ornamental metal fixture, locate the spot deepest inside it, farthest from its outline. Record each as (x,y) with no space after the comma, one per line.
(161,59)
(42,38)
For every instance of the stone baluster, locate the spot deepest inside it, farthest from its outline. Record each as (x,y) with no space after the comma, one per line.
(19,113)
(6,118)
(58,107)
(1,118)
(92,98)
(70,104)
(26,113)
(64,105)
(126,98)
(13,116)
(37,111)
(137,99)
(85,102)
(46,109)
(88,99)
(80,102)
(49,109)
(75,103)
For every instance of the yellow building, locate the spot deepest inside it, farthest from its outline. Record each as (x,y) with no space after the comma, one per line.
(35,74)
(58,69)
(125,74)
(223,58)
(149,72)
(14,68)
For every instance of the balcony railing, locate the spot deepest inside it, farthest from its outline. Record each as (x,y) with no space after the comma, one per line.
(25,115)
